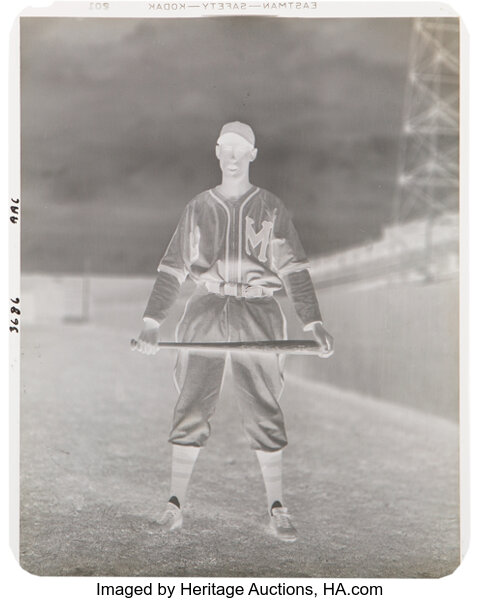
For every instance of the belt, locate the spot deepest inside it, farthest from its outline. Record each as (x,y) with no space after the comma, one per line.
(239,290)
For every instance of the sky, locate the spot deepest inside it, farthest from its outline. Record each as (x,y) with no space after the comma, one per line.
(120,119)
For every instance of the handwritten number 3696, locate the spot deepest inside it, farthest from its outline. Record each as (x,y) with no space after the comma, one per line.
(15,311)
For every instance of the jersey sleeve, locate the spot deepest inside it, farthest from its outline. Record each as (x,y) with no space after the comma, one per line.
(291,264)
(174,260)
(172,271)
(300,290)
(288,255)
(163,295)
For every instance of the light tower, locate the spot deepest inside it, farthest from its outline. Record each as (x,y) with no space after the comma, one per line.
(428,170)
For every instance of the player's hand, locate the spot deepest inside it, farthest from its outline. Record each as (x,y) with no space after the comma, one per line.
(149,337)
(324,339)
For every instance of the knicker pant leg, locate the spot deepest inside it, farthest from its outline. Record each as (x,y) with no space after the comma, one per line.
(199,379)
(259,384)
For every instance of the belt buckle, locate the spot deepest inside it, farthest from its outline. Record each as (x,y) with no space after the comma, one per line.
(230,289)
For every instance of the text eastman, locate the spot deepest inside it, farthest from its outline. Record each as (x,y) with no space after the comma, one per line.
(175,6)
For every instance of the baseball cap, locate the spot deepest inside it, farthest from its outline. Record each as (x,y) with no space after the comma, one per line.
(237,129)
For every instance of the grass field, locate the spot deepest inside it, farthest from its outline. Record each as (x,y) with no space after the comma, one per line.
(372,486)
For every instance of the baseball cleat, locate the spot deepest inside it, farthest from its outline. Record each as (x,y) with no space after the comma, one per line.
(280,524)
(172,518)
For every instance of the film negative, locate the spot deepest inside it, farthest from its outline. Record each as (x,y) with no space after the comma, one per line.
(222,175)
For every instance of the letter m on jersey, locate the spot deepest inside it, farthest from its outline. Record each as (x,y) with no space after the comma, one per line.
(254,239)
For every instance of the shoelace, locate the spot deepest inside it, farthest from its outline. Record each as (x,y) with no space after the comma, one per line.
(168,515)
(282,520)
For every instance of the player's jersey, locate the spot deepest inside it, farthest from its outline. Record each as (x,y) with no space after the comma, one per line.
(250,241)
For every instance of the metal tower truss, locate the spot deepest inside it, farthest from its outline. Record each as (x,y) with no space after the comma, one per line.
(428,171)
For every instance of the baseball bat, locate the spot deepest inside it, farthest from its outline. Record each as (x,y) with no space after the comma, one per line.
(308,347)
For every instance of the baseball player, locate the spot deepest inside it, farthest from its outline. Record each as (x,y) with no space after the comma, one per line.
(238,244)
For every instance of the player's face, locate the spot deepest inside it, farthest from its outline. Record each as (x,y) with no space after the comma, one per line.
(234,157)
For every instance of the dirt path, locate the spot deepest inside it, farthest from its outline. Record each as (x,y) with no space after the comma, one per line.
(372,487)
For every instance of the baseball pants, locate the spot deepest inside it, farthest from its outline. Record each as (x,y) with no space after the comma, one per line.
(258,379)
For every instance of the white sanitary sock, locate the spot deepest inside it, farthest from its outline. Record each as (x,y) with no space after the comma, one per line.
(182,463)
(271,464)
